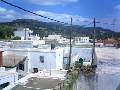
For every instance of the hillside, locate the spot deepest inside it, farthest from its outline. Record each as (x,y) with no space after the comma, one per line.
(45,28)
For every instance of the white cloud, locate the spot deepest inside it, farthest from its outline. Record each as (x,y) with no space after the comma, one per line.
(59,17)
(9,15)
(117,7)
(4,11)
(6,15)
(51,2)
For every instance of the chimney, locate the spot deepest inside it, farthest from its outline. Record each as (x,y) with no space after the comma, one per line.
(1,59)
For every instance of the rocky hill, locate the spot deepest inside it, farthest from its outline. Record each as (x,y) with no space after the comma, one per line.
(45,28)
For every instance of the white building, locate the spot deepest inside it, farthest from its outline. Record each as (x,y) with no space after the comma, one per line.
(23,32)
(81,39)
(32,59)
(65,41)
(52,37)
(46,59)
(27,43)
(7,77)
(77,53)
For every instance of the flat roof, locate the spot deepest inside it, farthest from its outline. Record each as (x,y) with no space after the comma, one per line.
(5,74)
(34,49)
(108,53)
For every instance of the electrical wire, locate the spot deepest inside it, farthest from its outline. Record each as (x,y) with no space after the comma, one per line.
(104,23)
(48,17)
(32,12)
(87,24)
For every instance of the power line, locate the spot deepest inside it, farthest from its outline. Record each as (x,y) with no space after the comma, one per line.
(87,24)
(32,12)
(103,23)
(82,21)
(48,17)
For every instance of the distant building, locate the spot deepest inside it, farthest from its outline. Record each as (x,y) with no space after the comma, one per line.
(25,34)
(81,39)
(58,38)
(53,37)
(108,42)
(65,41)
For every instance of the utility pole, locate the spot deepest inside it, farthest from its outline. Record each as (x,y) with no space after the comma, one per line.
(70,44)
(25,31)
(94,34)
(93,53)
(113,28)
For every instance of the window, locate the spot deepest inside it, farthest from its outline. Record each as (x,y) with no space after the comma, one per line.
(41,59)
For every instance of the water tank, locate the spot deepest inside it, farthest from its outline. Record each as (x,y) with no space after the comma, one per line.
(52,46)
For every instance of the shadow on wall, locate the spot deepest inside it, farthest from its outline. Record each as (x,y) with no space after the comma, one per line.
(118,88)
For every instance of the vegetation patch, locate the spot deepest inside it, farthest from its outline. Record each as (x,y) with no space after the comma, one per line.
(72,78)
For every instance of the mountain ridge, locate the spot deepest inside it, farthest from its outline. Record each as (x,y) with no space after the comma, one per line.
(46,28)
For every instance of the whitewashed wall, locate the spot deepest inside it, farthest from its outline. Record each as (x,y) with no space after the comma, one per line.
(57,37)
(59,59)
(21,33)
(9,78)
(52,60)
(81,52)
(23,52)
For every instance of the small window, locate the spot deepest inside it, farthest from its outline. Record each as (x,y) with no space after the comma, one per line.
(41,59)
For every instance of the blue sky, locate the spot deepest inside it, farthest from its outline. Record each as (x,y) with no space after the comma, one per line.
(105,11)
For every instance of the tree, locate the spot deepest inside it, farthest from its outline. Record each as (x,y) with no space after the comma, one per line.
(6,32)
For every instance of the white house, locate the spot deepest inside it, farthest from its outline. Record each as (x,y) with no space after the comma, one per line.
(77,53)
(23,32)
(46,59)
(33,59)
